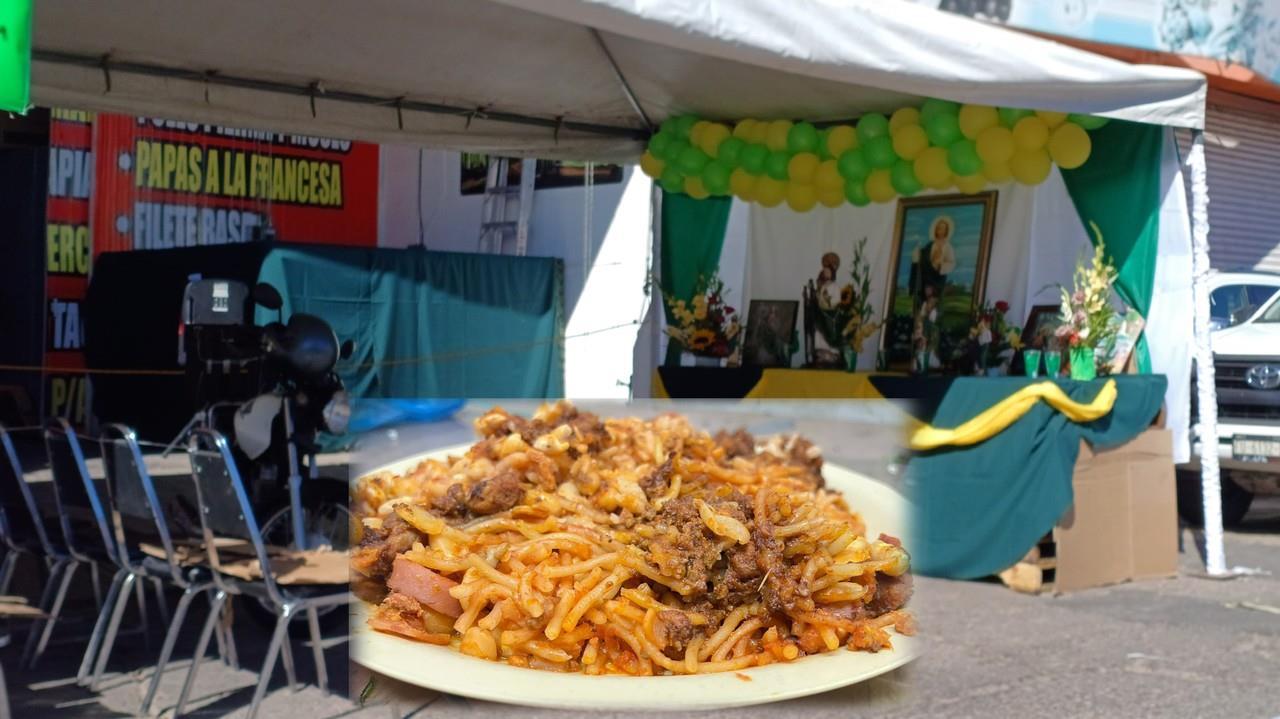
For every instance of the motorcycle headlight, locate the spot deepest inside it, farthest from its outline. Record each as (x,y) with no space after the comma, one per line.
(337,413)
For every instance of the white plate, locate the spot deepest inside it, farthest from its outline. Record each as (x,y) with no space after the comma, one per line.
(447,670)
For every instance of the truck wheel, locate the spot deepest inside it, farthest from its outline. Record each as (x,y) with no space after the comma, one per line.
(1235,499)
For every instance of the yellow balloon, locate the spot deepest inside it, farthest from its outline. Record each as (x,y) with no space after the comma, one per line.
(742,184)
(770,192)
(1030,167)
(1051,118)
(932,169)
(997,172)
(995,145)
(831,198)
(802,167)
(694,188)
(970,184)
(1069,146)
(651,165)
(742,130)
(976,118)
(880,186)
(841,139)
(776,135)
(695,134)
(1030,133)
(828,178)
(909,141)
(902,117)
(712,135)
(759,132)
(801,198)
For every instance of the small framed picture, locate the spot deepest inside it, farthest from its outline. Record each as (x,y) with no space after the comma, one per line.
(771,325)
(1042,320)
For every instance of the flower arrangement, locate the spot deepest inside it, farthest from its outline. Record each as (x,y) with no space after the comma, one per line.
(1088,318)
(992,337)
(846,321)
(704,325)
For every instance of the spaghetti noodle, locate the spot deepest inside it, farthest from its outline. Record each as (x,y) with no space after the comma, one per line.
(625,546)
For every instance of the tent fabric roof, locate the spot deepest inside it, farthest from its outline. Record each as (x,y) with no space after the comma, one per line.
(336,67)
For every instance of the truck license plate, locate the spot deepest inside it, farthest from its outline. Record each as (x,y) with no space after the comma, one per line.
(1256,449)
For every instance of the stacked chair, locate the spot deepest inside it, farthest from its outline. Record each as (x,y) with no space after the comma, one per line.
(133,536)
(226,514)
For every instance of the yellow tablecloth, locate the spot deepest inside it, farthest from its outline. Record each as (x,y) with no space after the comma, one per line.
(813,384)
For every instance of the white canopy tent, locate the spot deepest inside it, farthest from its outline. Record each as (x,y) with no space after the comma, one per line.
(588,79)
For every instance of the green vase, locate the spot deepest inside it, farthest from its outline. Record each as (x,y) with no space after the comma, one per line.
(1082,364)
(850,361)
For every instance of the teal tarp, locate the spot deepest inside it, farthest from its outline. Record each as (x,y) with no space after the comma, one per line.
(980,508)
(431,324)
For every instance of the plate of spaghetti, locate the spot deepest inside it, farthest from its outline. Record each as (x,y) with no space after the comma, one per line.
(570,561)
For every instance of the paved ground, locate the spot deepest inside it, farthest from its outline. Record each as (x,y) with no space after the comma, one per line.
(1183,647)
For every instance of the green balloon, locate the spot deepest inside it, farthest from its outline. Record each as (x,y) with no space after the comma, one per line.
(692,160)
(853,166)
(903,177)
(776,165)
(942,129)
(933,107)
(658,143)
(871,126)
(879,152)
(802,137)
(1009,116)
(731,151)
(963,158)
(675,148)
(684,125)
(752,158)
(856,193)
(669,125)
(822,150)
(716,177)
(1088,122)
(672,180)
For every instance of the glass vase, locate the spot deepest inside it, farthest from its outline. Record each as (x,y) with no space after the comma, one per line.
(850,361)
(1031,362)
(1052,363)
(1082,364)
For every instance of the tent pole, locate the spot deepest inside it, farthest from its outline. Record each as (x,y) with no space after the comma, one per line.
(1207,394)
(622,80)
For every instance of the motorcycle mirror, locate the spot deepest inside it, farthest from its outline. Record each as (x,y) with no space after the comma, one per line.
(264,295)
(348,349)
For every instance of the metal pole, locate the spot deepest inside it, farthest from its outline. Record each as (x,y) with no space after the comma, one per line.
(1207,394)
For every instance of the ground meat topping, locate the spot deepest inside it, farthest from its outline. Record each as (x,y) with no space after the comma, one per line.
(674,631)
(738,443)
(453,503)
(658,481)
(379,547)
(496,494)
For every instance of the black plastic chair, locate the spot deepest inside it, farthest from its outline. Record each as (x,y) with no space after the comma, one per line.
(140,520)
(225,512)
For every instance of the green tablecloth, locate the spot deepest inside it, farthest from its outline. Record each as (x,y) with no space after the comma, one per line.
(980,508)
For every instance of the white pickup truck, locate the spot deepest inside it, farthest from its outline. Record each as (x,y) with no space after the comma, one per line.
(1245,311)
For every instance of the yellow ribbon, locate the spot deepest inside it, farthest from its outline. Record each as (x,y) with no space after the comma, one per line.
(995,419)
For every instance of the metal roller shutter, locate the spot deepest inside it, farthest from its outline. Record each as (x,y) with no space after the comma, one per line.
(1242,152)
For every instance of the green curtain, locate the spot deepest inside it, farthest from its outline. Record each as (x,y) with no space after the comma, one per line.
(692,236)
(432,324)
(978,509)
(1119,189)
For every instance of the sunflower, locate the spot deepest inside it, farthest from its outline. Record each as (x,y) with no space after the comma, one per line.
(846,295)
(701,339)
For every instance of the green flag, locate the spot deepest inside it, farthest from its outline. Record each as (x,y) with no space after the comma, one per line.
(15,55)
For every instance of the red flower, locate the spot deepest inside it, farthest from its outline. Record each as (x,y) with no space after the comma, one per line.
(729,310)
(1002,307)
(987,319)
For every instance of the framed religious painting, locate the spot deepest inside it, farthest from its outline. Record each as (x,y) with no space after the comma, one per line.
(941,248)
(771,327)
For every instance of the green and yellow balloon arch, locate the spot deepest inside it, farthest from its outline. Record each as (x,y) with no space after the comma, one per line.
(939,145)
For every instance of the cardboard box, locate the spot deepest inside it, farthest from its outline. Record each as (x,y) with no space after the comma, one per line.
(1123,525)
